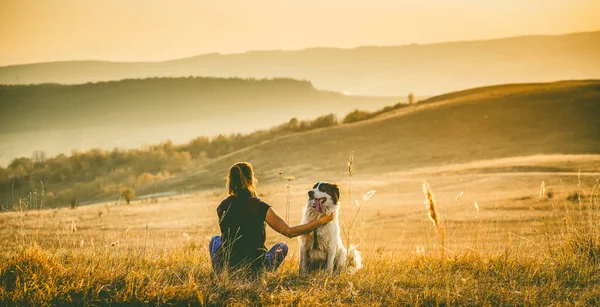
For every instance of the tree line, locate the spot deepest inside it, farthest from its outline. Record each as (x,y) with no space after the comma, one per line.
(67,180)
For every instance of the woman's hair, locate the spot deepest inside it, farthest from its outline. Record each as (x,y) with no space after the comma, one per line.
(240,179)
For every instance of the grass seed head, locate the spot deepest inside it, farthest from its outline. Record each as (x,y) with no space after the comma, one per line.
(351,165)
(369,195)
(543,189)
(430,204)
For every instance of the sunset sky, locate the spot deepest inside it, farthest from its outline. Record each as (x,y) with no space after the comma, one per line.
(150,30)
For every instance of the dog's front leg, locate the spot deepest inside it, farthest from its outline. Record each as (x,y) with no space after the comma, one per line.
(303,259)
(331,252)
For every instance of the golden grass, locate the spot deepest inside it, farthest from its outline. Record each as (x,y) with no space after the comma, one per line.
(517,250)
(564,274)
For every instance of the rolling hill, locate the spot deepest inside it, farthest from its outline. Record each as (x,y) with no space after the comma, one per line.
(481,124)
(129,113)
(526,129)
(368,70)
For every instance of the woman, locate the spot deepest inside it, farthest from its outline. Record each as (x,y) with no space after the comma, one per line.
(242,218)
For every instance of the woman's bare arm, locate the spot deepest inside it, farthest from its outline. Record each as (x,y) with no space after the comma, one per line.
(283,228)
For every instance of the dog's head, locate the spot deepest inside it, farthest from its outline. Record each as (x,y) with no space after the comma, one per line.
(323,196)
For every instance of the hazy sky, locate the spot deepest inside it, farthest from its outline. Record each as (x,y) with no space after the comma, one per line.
(142,30)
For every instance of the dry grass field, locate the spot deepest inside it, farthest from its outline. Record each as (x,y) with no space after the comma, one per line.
(516,175)
(522,244)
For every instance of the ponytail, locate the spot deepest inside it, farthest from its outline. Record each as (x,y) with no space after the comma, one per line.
(240,179)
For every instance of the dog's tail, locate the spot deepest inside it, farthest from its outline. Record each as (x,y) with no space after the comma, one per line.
(354,261)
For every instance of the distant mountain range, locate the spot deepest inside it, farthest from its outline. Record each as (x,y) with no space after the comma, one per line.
(370,70)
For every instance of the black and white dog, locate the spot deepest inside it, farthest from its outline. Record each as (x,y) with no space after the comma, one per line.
(323,248)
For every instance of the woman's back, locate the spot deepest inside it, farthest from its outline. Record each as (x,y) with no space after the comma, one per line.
(242,224)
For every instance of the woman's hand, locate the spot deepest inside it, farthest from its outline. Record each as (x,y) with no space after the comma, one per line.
(327,218)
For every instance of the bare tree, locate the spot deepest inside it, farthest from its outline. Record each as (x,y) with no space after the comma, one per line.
(39,156)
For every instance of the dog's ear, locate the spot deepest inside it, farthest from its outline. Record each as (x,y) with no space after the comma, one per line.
(335,191)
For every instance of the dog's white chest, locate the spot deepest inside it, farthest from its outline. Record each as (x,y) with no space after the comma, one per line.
(320,242)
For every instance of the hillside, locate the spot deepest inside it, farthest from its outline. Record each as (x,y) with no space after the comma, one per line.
(368,70)
(129,113)
(480,124)
(518,128)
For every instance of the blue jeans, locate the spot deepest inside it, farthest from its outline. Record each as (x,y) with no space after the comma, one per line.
(273,258)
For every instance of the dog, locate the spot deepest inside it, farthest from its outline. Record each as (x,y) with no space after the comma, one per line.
(323,247)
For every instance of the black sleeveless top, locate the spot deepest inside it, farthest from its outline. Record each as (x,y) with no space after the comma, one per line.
(242,223)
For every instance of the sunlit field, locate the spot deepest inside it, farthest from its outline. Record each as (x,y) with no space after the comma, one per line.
(511,238)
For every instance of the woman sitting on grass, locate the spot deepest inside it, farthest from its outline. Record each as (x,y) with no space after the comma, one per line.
(242,218)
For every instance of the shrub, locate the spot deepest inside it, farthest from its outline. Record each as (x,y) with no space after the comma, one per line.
(356,116)
(147,178)
(74,203)
(128,194)
(324,121)
(573,196)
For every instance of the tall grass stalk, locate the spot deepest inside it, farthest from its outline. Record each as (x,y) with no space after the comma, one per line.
(350,174)
(431,207)
(145,238)
(288,200)
(12,192)
(349,225)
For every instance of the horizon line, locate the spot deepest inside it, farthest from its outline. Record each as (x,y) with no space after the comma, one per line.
(302,49)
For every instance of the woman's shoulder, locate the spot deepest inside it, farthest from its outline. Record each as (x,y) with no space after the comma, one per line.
(227,200)
(257,200)
(225,204)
